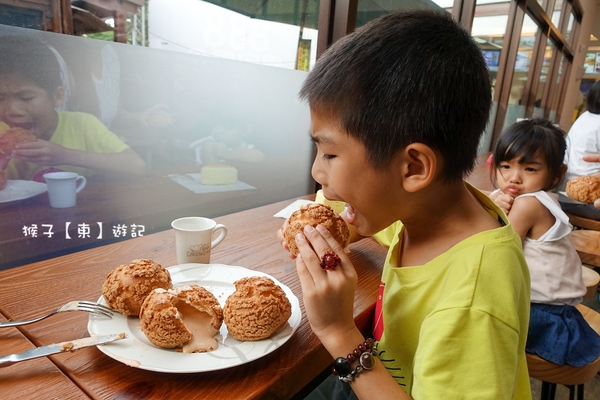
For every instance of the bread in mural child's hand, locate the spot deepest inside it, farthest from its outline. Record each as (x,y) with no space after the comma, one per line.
(14,136)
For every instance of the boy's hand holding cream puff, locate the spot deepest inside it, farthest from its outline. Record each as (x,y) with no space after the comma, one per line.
(9,138)
(315,214)
(12,137)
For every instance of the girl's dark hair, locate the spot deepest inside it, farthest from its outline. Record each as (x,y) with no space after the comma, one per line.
(528,139)
(593,99)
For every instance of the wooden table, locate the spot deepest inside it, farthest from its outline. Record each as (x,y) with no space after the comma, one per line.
(50,381)
(33,289)
(115,204)
(36,288)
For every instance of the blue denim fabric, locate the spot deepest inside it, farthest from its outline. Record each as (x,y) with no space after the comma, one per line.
(582,210)
(560,334)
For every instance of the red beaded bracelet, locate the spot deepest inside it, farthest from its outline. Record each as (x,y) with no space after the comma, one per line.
(365,353)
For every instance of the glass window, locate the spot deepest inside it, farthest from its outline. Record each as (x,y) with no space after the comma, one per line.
(280,33)
(30,17)
(569,28)
(554,111)
(589,64)
(538,111)
(446,4)
(218,86)
(275,33)
(489,29)
(369,9)
(516,103)
(556,13)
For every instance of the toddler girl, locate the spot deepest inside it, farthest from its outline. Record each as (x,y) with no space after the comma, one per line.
(527,166)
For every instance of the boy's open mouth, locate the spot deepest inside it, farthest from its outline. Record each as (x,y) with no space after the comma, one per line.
(350,213)
(24,125)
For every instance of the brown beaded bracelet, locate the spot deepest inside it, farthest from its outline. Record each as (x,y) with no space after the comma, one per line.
(365,353)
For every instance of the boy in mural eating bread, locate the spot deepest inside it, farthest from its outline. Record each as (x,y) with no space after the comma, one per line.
(30,91)
(397,110)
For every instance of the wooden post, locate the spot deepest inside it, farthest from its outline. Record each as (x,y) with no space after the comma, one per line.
(120,26)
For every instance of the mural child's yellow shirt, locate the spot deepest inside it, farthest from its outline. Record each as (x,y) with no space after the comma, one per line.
(75,130)
(456,327)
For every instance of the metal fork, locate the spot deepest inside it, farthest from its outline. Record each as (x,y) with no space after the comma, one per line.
(88,306)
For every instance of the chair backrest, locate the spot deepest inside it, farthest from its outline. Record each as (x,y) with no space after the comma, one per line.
(591,316)
(585,223)
(566,374)
(591,279)
(587,244)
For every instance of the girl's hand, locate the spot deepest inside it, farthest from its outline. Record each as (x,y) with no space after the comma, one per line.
(41,152)
(328,294)
(503,200)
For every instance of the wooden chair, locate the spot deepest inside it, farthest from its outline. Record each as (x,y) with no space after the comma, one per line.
(587,244)
(573,377)
(591,279)
(583,223)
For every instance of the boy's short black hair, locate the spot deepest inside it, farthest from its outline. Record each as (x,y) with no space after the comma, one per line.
(407,77)
(31,59)
(528,139)
(593,99)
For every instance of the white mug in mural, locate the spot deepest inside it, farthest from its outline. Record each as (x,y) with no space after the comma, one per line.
(194,238)
(63,188)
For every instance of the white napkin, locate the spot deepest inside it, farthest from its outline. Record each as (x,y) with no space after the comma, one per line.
(296,205)
(192,182)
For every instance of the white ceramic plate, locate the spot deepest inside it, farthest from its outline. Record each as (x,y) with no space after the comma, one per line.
(565,198)
(137,351)
(20,190)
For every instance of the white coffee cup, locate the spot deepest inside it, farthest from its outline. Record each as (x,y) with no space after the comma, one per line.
(194,238)
(63,188)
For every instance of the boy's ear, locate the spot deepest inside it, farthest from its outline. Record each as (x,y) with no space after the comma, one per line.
(58,98)
(420,165)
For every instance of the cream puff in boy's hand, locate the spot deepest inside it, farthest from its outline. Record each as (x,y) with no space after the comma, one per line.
(282,240)
(315,214)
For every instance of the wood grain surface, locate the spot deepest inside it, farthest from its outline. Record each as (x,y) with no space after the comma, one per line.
(35,288)
(251,242)
(39,378)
